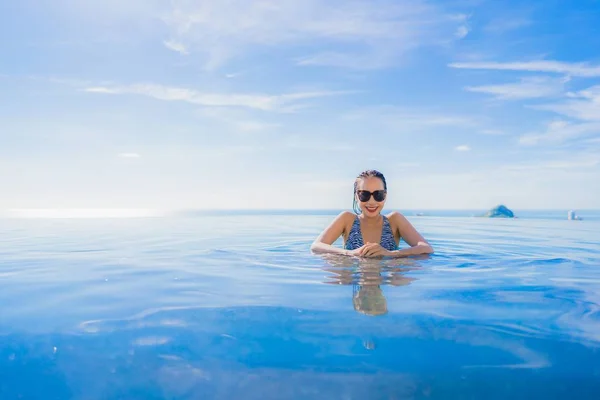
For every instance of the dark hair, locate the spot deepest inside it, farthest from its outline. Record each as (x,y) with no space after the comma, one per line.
(370,173)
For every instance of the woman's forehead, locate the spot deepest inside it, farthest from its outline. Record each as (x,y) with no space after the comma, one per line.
(370,183)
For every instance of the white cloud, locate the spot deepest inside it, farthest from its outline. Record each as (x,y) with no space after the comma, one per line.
(561,131)
(462,147)
(461,32)
(406,118)
(526,88)
(583,105)
(238,120)
(101,90)
(129,155)
(176,46)
(282,103)
(573,69)
(380,30)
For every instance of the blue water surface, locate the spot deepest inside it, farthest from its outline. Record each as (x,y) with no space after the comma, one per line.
(234,306)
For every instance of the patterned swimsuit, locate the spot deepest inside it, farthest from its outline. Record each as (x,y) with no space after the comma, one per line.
(355,239)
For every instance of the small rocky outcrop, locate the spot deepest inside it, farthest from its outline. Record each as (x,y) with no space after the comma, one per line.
(500,211)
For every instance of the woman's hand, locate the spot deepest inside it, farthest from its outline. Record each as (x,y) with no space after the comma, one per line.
(371,250)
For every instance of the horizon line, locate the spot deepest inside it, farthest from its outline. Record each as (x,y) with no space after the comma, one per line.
(105,213)
(139,209)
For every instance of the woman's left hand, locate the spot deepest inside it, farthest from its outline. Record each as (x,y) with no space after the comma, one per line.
(374,250)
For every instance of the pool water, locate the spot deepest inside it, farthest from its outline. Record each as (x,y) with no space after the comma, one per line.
(235,306)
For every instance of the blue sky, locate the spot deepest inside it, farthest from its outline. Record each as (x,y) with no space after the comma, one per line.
(279,104)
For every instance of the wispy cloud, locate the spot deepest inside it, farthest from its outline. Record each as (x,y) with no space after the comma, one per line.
(101,89)
(245,90)
(573,69)
(176,46)
(129,155)
(381,29)
(526,88)
(408,118)
(561,131)
(583,105)
(283,103)
(358,60)
(462,32)
(237,120)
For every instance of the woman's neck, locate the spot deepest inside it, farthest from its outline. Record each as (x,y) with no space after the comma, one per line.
(371,220)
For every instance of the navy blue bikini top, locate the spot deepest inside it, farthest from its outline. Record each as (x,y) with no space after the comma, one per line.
(355,239)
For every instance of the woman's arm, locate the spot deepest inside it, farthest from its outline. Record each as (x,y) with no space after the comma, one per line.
(417,243)
(324,243)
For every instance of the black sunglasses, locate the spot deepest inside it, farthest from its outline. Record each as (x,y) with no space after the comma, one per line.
(364,195)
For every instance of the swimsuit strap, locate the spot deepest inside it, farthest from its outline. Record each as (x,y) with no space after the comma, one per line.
(355,239)
(387,236)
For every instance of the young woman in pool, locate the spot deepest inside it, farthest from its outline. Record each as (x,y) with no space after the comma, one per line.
(367,232)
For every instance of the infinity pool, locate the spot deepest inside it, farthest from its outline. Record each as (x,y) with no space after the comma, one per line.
(236,307)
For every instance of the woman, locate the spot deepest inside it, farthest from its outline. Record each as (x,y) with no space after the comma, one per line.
(369,233)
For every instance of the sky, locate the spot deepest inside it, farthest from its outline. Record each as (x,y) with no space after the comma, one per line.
(176,104)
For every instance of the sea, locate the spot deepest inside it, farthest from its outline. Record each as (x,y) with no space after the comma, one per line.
(233,305)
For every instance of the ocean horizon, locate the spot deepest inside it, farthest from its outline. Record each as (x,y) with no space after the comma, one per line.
(550,213)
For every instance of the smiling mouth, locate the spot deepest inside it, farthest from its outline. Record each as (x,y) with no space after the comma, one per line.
(371,208)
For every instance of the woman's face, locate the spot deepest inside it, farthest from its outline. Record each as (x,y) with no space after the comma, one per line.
(368,191)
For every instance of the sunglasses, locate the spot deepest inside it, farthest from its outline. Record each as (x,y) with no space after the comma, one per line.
(365,195)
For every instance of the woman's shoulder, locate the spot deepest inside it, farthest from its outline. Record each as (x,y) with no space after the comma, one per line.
(344,220)
(346,216)
(394,214)
(396,217)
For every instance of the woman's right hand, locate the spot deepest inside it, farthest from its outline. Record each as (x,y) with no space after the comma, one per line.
(370,250)
(355,252)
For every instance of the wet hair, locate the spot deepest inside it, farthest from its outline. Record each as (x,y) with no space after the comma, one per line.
(370,173)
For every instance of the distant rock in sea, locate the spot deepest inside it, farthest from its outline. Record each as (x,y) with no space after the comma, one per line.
(499,212)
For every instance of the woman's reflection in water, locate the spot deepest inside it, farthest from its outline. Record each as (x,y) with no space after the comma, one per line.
(366,277)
